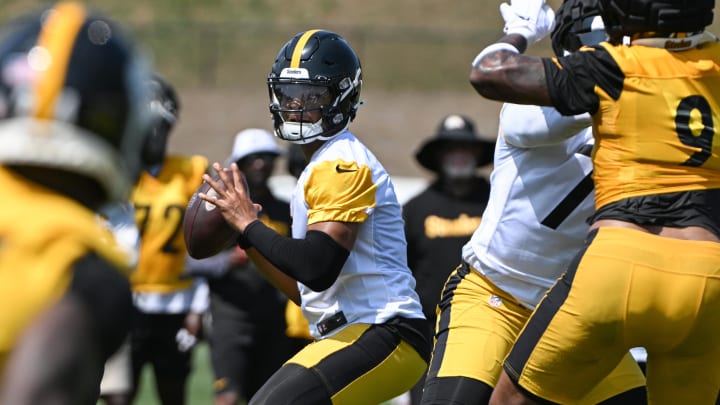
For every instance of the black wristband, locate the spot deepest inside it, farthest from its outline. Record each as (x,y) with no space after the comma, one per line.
(243,242)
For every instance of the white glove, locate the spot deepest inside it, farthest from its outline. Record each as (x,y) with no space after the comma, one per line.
(185,340)
(532,19)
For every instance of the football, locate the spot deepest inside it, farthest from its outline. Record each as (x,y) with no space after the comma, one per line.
(205,230)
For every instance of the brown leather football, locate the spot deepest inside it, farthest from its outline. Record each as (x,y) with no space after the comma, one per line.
(205,230)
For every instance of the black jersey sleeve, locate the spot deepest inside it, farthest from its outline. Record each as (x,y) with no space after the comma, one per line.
(315,261)
(574,80)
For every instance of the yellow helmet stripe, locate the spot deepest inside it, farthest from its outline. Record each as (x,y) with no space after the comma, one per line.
(54,47)
(297,52)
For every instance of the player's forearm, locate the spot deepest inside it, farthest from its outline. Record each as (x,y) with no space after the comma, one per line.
(316,261)
(286,284)
(504,75)
(500,71)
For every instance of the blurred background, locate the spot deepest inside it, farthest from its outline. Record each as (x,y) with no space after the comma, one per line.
(416,58)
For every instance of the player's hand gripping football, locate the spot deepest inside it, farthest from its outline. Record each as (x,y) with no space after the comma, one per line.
(532,19)
(233,200)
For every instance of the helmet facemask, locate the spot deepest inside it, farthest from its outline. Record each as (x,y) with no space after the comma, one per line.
(307,110)
(314,87)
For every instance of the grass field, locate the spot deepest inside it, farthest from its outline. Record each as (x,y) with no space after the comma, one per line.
(199,389)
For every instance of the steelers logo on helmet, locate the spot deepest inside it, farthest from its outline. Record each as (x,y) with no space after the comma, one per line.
(314,87)
(72,96)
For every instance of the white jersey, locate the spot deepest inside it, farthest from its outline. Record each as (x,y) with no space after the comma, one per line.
(345,182)
(540,199)
(120,219)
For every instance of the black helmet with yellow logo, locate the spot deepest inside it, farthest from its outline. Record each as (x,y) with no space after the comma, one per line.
(164,111)
(316,73)
(72,96)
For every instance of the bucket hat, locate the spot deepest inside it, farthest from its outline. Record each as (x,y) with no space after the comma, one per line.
(455,130)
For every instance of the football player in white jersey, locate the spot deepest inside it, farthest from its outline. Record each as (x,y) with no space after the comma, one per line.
(533,226)
(346,262)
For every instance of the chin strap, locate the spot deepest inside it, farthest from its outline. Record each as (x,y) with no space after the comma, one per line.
(676,42)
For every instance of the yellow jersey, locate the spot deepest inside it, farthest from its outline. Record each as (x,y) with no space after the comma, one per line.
(657,148)
(160,203)
(42,235)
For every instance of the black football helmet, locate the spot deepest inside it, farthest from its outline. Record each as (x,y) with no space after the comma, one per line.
(577,23)
(164,110)
(164,100)
(628,17)
(72,96)
(316,71)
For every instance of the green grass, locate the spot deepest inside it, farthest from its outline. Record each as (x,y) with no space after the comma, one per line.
(200,385)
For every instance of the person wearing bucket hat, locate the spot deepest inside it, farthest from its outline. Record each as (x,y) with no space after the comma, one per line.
(247,336)
(441,219)
(454,132)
